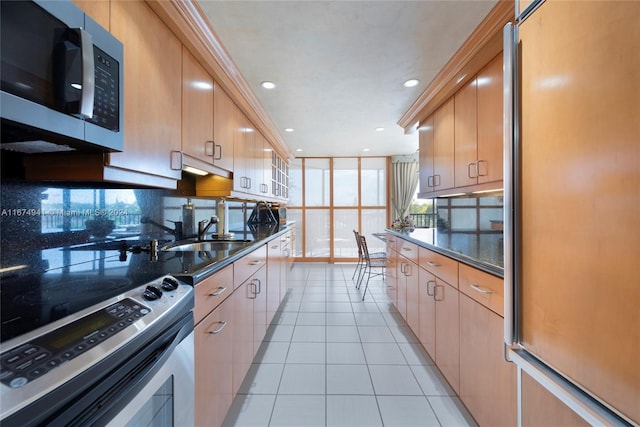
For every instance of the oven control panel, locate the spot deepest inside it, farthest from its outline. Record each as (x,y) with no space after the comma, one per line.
(33,359)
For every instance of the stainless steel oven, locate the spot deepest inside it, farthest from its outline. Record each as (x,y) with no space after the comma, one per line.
(128,360)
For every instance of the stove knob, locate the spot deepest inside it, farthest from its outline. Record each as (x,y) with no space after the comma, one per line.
(169,284)
(152,293)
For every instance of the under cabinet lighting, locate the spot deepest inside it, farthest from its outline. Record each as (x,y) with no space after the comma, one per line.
(194,171)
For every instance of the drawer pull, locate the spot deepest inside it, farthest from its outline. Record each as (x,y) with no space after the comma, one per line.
(407,249)
(433,264)
(219,328)
(255,262)
(481,290)
(218,291)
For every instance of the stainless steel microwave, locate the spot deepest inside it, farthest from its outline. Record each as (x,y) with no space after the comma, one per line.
(61,79)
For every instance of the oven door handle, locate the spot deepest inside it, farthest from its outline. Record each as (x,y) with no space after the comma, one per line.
(97,402)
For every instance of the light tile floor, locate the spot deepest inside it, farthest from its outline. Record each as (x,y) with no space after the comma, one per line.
(331,359)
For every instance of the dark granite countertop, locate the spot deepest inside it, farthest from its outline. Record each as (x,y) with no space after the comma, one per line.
(483,250)
(40,286)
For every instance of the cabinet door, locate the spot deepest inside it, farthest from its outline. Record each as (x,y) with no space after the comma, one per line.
(466,143)
(153,70)
(427,312)
(259,289)
(98,10)
(213,366)
(490,116)
(411,276)
(425,138)
(243,168)
(197,109)
(401,286)
(262,158)
(242,303)
(224,119)
(274,259)
(443,147)
(448,333)
(487,381)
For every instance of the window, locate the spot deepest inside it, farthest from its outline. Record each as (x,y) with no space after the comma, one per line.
(337,196)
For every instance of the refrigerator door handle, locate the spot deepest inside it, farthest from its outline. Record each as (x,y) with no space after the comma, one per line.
(509,132)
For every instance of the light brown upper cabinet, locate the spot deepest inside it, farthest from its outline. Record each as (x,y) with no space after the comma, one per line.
(152,90)
(466,135)
(98,10)
(244,147)
(437,146)
(478,128)
(197,110)
(490,122)
(224,119)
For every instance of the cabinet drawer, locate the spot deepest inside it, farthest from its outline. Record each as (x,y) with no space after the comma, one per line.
(483,287)
(246,266)
(439,265)
(212,291)
(392,242)
(408,250)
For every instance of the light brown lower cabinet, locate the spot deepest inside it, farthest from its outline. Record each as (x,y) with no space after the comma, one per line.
(259,289)
(487,381)
(427,312)
(448,333)
(242,304)
(213,366)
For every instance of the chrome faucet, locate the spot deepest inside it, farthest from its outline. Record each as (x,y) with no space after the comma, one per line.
(204,226)
(177,232)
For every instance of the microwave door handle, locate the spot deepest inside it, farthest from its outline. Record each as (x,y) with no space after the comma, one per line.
(88,74)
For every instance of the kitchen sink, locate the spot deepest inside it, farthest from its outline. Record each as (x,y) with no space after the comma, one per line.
(206,245)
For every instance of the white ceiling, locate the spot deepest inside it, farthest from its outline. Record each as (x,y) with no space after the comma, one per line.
(339,66)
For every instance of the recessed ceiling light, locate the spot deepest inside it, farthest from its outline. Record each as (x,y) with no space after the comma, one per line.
(411,83)
(379,129)
(298,149)
(268,85)
(366,149)
(288,130)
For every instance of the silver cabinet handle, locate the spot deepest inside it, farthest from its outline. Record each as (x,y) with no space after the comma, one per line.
(219,329)
(433,264)
(406,249)
(255,290)
(434,181)
(407,271)
(481,289)
(218,291)
(219,157)
(175,160)
(259,287)
(478,163)
(209,148)
(435,296)
(254,262)
(430,181)
(469,166)
(431,292)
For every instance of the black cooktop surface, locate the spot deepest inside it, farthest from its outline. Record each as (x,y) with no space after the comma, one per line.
(40,287)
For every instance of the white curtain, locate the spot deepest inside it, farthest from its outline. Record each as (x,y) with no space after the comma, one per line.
(403,186)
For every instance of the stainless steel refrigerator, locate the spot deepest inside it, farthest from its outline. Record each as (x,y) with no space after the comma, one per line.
(572,207)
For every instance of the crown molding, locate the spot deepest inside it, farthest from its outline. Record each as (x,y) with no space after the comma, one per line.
(484,44)
(188,22)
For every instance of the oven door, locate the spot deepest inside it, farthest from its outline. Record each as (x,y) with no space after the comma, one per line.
(149,382)
(167,398)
